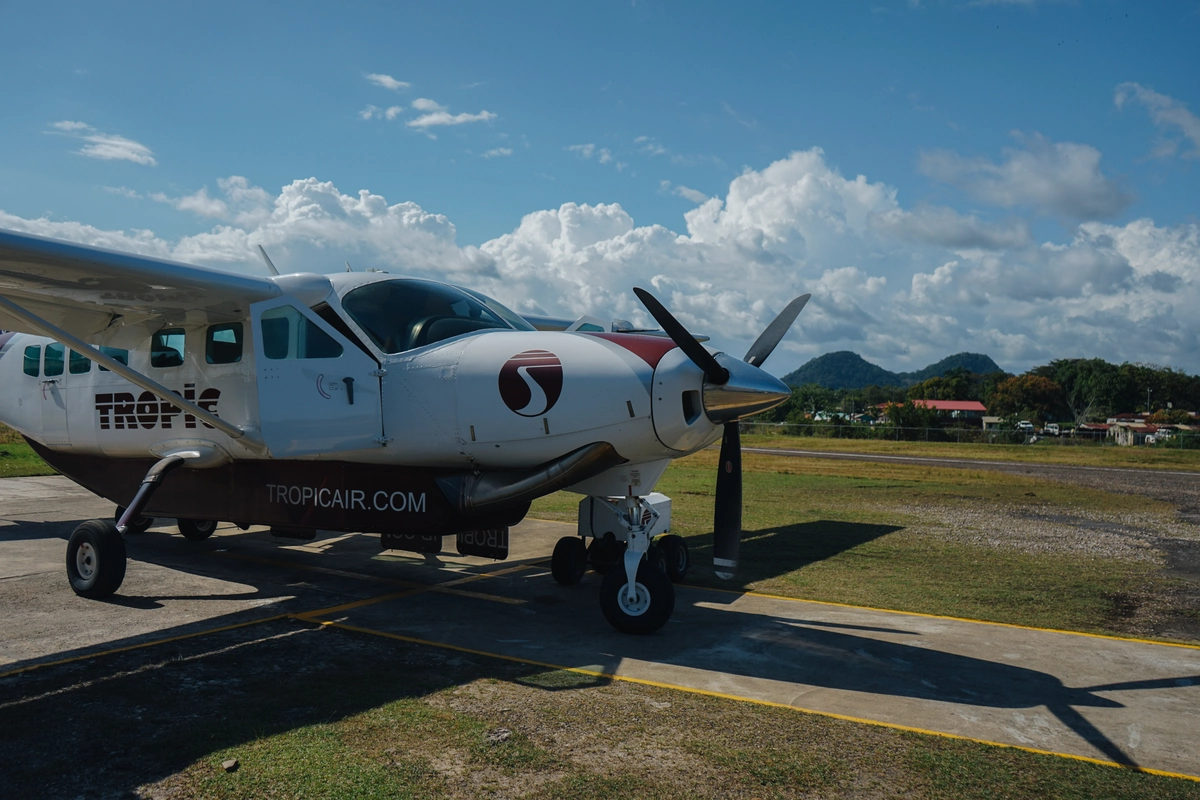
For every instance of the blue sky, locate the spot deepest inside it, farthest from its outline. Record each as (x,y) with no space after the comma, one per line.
(1030,171)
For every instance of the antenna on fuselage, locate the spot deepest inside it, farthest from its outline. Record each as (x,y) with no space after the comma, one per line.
(267,259)
(348,267)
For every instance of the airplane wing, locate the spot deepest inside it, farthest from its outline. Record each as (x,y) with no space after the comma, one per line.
(94,293)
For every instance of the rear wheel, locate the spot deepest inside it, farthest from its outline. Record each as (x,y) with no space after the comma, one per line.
(569,561)
(95,559)
(197,529)
(605,552)
(138,525)
(649,608)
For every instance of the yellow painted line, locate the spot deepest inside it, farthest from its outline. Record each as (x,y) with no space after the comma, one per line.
(755,701)
(447,587)
(494,598)
(142,645)
(942,616)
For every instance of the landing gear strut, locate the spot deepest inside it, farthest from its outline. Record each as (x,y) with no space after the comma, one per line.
(96,549)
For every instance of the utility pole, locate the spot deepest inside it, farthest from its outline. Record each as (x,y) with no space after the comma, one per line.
(1147,401)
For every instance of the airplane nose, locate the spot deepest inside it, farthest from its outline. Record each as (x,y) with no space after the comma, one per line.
(748,391)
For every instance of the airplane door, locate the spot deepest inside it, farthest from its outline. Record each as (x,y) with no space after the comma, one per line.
(54,396)
(317,392)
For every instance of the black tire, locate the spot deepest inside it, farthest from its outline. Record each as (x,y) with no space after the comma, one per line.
(605,552)
(676,551)
(652,607)
(95,559)
(139,525)
(569,561)
(197,529)
(657,558)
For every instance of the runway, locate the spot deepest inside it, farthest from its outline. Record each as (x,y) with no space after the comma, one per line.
(1113,700)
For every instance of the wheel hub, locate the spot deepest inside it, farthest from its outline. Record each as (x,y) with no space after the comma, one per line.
(85,560)
(636,606)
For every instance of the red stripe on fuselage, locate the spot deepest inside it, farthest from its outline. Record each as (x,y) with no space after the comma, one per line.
(650,349)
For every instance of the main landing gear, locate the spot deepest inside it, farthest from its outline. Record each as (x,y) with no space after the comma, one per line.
(96,549)
(636,594)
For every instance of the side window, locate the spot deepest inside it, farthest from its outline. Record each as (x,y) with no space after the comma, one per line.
(116,354)
(55,356)
(223,344)
(287,333)
(166,348)
(79,365)
(33,360)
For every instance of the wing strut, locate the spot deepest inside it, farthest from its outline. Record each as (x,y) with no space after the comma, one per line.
(136,378)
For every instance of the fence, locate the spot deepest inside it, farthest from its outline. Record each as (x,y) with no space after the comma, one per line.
(1177,440)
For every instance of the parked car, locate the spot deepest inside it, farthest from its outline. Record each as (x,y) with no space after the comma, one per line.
(1051,429)
(1025,425)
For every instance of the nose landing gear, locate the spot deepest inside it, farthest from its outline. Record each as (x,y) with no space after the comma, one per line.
(636,595)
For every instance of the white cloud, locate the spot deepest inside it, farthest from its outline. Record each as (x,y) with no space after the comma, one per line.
(437,115)
(425,104)
(1062,178)
(650,146)
(105,146)
(123,191)
(387,82)
(603,154)
(1168,114)
(695,195)
(902,286)
(498,152)
(393,111)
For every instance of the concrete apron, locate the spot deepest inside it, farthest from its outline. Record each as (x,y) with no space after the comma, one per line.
(1129,702)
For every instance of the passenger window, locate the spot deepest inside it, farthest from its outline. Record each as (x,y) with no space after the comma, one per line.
(116,354)
(166,348)
(79,365)
(287,333)
(223,344)
(33,360)
(55,355)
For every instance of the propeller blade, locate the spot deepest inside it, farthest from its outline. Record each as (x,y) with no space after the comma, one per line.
(727,510)
(713,372)
(770,337)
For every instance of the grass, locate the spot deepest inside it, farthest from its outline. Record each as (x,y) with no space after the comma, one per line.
(858,533)
(17,458)
(323,713)
(1046,451)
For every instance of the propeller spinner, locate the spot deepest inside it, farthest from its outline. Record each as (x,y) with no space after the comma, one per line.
(732,390)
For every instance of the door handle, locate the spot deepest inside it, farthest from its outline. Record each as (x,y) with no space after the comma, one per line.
(349,389)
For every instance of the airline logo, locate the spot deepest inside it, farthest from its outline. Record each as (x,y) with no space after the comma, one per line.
(531,382)
(123,412)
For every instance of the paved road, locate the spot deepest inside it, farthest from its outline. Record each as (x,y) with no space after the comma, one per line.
(1114,700)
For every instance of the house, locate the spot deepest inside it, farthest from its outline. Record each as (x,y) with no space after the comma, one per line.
(1132,433)
(956,409)
(1092,430)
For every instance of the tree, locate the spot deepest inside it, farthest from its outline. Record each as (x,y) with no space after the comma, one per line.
(1031,397)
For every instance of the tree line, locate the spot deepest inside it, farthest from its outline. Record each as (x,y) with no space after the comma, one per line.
(1068,390)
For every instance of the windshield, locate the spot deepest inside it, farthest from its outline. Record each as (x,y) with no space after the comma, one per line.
(400,315)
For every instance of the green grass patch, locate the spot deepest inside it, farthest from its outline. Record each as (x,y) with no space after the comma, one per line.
(856,533)
(1045,451)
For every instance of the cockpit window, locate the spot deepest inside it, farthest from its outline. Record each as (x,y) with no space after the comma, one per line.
(399,315)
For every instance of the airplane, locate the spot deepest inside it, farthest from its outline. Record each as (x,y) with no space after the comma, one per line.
(365,402)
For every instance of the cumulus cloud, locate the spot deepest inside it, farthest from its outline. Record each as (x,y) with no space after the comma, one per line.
(603,154)
(1169,115)
(375,112)
(904,286)
(498,152)
(105,146)
(387,82)
(1060,178)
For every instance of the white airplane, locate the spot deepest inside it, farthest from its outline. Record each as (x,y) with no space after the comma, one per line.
(362,401)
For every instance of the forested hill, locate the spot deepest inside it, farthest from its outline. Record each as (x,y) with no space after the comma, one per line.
(847,370)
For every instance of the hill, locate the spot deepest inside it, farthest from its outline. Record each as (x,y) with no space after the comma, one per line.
(847,370)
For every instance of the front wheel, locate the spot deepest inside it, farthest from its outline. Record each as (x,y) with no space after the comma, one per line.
(649,608)
(197,529)
(95,559)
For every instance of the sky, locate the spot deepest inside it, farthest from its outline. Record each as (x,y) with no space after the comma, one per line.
(1019,178)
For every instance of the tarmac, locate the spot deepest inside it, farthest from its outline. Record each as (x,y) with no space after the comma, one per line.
(1119,701)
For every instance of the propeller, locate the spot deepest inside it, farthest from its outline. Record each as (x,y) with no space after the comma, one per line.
(743,391)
